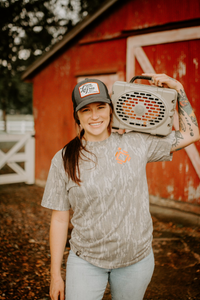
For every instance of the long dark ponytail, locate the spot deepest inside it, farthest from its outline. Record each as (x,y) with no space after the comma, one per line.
(72,152)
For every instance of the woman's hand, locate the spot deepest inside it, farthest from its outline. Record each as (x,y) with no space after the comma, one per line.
(188,132)
(162,80)
(58,238)
(57,288)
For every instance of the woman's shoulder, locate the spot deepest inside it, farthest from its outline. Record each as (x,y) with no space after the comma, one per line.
(134,135)
(57,158)
(57,164)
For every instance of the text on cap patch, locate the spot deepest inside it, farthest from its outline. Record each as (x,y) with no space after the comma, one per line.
(89,88)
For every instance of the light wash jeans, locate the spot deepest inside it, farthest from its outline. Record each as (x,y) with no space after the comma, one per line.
(85,281)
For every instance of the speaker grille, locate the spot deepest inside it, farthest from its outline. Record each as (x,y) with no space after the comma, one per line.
(140,109)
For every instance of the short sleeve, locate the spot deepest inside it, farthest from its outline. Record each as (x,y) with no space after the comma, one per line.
(55,194)
(159,148)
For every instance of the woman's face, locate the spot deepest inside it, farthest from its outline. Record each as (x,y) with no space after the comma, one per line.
(94,119)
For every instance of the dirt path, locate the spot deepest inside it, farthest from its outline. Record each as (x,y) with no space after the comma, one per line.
(25,256)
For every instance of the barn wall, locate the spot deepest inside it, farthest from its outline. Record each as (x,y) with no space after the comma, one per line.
(178,60)
(102,50)
(181,64)
(102,58)
(137,15)
(54,124)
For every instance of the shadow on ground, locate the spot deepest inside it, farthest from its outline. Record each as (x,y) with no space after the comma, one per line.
(25,256)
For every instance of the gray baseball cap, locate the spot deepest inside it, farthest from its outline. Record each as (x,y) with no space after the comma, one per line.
(89,91)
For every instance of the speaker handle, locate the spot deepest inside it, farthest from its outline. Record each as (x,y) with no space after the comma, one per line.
(140,77)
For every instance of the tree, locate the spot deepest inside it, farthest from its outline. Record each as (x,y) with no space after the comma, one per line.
(85,6)
(28,29)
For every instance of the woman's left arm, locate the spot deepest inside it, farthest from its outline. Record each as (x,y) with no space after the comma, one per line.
(188,132)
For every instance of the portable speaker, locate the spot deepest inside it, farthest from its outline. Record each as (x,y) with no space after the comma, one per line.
(143,108)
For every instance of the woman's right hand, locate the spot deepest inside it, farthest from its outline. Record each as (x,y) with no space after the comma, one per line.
(57,288)
(58,238)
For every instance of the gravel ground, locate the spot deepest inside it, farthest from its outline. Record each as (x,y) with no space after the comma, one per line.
(25,256)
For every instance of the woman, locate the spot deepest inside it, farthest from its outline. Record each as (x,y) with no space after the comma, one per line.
(102,176)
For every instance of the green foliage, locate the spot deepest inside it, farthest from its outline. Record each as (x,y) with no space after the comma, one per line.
(89,6)
(28,29)
(86,6)
(15,95)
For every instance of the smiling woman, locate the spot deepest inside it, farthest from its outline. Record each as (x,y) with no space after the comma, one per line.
(102,177)
(93,115)
(94,119)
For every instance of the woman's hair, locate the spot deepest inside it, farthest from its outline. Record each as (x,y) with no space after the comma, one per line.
(73,151)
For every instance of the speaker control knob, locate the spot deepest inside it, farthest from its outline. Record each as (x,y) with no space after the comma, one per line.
(139,109)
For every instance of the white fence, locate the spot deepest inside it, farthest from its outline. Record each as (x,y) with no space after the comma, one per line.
(25,143)
(20,126)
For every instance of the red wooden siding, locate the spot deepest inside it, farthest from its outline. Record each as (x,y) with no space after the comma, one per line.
(135,15)
(178,60)
(54,124)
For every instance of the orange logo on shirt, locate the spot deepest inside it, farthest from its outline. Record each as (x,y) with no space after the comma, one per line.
(122,156)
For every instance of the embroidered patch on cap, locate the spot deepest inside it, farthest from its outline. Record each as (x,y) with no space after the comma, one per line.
(89,88)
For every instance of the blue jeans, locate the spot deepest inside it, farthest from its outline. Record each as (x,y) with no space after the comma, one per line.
(85,281)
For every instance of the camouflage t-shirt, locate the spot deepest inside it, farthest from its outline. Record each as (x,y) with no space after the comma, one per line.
(112,223)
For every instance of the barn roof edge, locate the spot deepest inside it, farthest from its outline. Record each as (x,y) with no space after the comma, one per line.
(67,38)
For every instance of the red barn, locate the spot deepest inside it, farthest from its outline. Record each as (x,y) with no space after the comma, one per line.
(121,39)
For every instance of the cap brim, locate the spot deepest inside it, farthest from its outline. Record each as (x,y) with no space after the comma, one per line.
(92,100)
